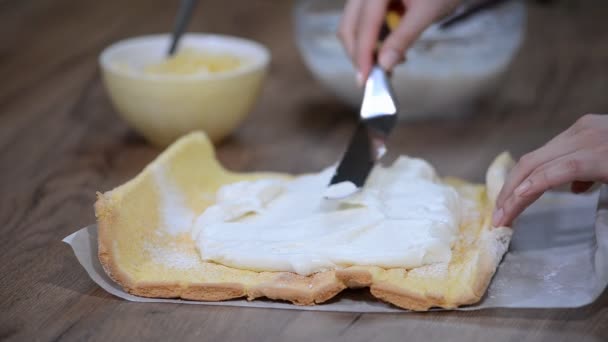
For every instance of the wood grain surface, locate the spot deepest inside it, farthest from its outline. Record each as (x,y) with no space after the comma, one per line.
(61,140)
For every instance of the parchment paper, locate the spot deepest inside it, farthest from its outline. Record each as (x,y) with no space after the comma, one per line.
(558,259)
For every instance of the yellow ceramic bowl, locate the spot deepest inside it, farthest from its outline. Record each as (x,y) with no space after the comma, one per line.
(163,107)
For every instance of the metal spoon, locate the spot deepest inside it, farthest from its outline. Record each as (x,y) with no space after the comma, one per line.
(186,7)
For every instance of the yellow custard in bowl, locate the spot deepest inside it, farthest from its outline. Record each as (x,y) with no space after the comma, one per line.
(210,84)
(190,61)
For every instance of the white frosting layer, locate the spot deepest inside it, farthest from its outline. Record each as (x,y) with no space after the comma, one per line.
(404,217)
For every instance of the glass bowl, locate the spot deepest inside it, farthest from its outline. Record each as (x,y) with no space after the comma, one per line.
(447,70)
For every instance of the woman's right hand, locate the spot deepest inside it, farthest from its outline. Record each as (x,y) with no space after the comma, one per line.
(361,22)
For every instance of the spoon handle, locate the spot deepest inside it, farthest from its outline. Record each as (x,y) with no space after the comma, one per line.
(186,7)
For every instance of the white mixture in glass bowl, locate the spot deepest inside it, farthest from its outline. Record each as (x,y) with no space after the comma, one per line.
(447,71)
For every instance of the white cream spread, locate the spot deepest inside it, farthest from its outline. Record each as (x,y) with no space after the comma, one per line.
(403,217)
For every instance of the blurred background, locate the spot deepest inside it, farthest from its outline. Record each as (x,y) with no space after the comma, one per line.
(510,79)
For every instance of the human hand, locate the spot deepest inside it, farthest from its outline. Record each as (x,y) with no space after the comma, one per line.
(578,155)
(361,22)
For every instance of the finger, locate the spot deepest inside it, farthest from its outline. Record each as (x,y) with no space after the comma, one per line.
(575,166)
(415,20)
(566,169)
(372,16)
(561,145)
(512,207)
(348,25)
(578,187)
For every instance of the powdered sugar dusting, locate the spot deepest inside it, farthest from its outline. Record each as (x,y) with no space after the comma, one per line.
(177,217)
(468,209)
(172,257)
(438,270)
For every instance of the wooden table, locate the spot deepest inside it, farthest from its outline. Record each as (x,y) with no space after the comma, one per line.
(60,141)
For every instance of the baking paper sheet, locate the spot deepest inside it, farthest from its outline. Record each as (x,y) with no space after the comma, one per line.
(558,259)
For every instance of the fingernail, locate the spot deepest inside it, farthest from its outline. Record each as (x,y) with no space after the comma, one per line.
(523,188)
(497,217)
(388,59)
(359,79)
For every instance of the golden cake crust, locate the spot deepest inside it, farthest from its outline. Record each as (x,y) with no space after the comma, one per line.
(130,230)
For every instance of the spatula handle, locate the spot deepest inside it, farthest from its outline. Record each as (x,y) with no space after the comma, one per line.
(394,13)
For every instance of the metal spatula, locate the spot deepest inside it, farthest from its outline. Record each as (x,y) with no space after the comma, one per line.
(377,117)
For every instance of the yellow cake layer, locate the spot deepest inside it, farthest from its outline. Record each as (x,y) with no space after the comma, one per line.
(138,253)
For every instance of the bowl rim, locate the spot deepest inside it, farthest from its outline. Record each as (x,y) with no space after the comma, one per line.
(260,62)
